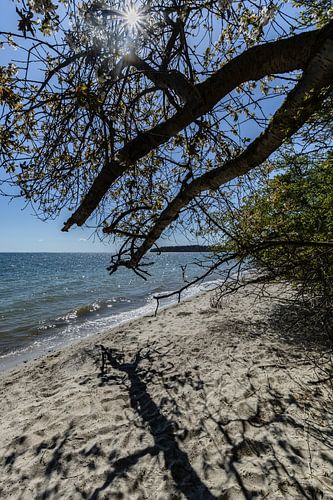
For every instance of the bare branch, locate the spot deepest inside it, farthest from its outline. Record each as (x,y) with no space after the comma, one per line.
(276,57)
(304,100)
(165,79)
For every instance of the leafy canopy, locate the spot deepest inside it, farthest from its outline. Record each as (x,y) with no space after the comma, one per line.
(139,113)
(285,226)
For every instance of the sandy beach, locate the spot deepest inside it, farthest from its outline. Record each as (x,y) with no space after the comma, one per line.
(196,403)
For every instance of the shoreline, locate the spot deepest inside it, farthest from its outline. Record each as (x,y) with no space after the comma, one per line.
(35,351)
(48,302)
(193,403)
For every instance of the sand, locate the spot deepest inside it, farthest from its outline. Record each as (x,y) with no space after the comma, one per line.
(195,403)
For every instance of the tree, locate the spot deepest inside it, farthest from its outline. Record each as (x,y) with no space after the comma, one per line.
(284,228)
(146,113)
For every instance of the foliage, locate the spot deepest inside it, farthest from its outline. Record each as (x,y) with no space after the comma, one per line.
(284,224)
(134,112)
(315,11)
(296,203)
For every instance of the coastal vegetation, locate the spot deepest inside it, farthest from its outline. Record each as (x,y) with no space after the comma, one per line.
(283,227)
(145,118)
(210,119)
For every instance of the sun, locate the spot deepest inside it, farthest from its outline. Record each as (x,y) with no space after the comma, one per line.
(132,17)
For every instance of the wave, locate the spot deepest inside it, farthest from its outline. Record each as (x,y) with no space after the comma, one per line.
(98,317)
(86,311)
(82,311)
(114,310)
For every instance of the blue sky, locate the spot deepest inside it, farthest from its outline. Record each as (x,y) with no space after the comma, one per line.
(20,229)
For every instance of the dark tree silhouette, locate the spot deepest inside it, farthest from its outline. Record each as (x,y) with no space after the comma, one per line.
(144,109)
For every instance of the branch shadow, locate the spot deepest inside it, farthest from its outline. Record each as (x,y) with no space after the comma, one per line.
(276,456)
(197,438)
(300,326)
(160,427)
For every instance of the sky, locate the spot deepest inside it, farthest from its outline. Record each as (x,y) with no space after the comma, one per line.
(20,229)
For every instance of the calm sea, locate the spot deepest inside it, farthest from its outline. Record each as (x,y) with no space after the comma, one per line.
(51,299)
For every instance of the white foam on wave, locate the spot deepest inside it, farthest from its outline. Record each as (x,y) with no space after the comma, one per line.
(72,332)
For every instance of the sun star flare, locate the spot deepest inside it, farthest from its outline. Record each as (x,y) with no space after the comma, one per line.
(132,17)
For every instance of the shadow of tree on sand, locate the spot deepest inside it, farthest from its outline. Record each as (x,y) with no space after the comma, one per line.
(238,435)
(235,438)
(304,328)
(160,427)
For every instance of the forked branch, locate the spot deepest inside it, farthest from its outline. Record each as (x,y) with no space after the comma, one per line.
(271,58)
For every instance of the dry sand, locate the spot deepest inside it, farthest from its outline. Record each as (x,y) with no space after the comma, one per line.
(195,403)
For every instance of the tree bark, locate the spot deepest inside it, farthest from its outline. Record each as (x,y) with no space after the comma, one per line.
(299,105)
(275,57)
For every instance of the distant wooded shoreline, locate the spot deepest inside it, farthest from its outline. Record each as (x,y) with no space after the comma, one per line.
(182,248)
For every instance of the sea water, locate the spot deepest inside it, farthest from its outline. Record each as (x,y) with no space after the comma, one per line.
(48,300)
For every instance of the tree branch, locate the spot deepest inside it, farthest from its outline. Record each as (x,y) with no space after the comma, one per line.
(275,57)
(165,79)
(226,258)
(299,105)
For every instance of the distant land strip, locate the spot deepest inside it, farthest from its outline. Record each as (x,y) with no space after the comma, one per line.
(183,248)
